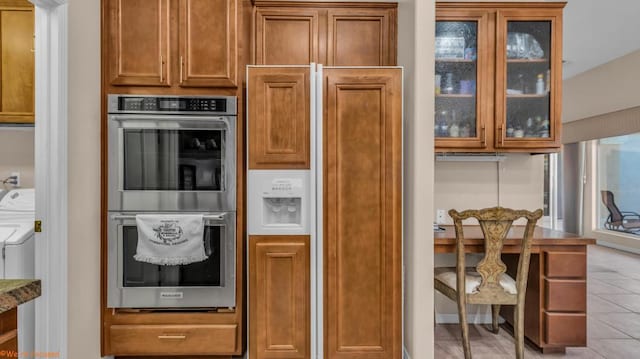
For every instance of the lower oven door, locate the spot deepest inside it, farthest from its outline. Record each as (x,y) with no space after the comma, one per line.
(207,284)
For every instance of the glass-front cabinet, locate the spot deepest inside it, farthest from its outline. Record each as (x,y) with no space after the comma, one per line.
(498,77)
(461,60)
(529,64)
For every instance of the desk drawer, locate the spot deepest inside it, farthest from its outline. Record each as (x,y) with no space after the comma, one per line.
(564,295)
(566,265)
(568,329)
(173,339)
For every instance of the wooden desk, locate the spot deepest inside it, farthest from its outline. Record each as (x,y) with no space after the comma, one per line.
(556,301)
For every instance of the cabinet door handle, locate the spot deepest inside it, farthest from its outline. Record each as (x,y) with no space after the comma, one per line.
(161,69)
(484,136)
(181,68)
(175,337)
(500,136)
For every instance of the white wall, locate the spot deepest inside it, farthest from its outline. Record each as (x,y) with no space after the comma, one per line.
(84,179)
(17,154)
(416,52)
(610,87)
(606,88)
(519,183)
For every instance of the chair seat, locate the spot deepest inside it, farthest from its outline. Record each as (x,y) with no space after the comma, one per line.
(473,279)
(634,223)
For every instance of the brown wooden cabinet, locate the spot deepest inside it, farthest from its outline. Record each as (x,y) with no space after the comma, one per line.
(340,34)
(362,213)
(287,36)
(17,54)
(279,299)
(498,77)
(208,43)
(9,333)
(143,43)
(361,37)
(139,42)
(279,107)
(176,339)
(556,314)
(150,41)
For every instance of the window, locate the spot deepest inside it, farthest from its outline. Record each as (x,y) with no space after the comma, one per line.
(619,172)
(552,195)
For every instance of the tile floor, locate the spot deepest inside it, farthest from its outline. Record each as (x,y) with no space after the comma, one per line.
(613,316)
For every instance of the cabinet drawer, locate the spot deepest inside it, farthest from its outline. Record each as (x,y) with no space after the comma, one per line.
(566,265)
(566,295)
(568,329)
(173,339)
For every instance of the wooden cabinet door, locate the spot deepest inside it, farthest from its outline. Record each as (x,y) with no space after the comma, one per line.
(362,213)
(208,43)
(286,36)
(17,71)
(528,78)
(279,116)
(138,33)
(8,332)
(279,297)
(463,88)
(361,37)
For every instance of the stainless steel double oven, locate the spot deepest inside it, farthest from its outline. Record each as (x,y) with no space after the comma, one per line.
(170,154)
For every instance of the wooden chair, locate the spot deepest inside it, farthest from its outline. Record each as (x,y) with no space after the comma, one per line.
(488,283)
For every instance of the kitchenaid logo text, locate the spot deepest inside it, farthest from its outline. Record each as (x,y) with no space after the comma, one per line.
(168,233)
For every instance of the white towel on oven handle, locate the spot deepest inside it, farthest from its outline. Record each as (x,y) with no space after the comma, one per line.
(170,239)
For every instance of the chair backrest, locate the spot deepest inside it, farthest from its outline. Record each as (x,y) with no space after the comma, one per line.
(610,203)
(495,223)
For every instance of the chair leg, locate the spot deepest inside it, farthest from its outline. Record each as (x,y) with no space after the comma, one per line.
(495,314)
(462,315)
(518,330)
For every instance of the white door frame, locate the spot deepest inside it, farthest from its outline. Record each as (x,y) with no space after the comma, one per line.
(51,22)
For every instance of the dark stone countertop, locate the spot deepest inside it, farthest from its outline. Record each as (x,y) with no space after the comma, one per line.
(14,292)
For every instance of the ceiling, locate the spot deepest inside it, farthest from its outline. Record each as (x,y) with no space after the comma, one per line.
(598,31)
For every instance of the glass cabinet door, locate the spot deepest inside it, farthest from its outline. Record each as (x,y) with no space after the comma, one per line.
(527,80)
(461,57)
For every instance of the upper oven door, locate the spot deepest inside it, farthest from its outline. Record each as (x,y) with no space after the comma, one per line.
(172,163)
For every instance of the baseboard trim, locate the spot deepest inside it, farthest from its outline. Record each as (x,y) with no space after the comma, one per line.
(471,319)
(618,246)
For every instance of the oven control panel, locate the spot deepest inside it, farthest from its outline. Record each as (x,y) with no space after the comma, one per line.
(221,105)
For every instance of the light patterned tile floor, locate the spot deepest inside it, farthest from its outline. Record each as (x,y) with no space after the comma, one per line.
(613,316)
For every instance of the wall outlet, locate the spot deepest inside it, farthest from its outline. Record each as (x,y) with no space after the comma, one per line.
(17,176)
(441,216)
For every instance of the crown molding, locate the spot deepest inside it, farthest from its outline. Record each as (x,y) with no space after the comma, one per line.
(48,4)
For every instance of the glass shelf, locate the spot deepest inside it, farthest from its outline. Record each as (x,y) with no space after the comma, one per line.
(528,96)
(470,96)
(527,61)
(456,61)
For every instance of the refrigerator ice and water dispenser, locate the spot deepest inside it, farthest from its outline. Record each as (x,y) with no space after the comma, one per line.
(285,207)
(278,202)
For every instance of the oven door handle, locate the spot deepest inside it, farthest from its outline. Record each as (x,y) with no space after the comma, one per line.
(217,217)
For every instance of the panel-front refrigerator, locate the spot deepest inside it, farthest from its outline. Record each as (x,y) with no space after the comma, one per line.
(324,193)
